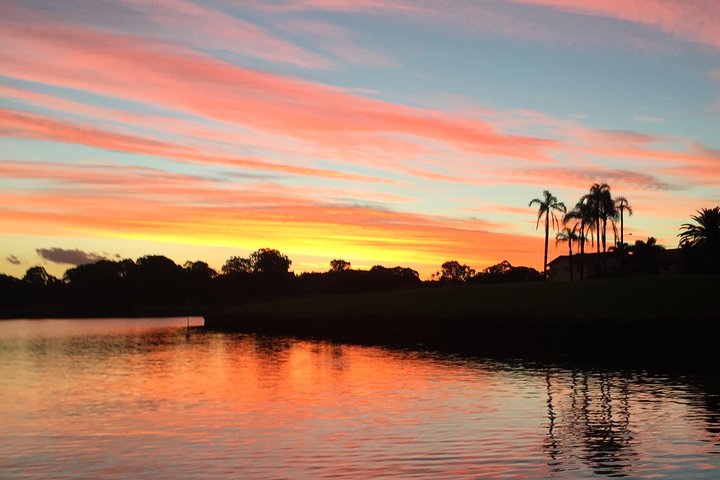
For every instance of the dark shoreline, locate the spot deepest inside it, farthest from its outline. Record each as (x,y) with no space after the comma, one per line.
(657,317)
(544,339)
(662,317)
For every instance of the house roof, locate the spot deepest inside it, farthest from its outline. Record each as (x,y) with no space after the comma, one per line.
(668,254)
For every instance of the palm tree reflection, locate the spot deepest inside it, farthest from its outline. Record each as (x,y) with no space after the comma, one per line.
(589,422)
(551,443)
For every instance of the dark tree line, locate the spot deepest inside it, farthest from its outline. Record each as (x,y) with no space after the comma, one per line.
(156,284)
(452,272)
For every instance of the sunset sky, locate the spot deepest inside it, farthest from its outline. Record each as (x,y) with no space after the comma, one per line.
(405,132)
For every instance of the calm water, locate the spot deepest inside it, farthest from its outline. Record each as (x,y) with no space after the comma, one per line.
(140,398)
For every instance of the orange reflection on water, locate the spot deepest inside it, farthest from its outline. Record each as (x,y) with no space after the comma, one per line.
(157,403)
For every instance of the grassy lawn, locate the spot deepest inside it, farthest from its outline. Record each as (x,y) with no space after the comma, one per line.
(639,299)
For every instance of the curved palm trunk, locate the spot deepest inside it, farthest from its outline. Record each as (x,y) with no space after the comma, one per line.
(582,251)
(604,245)
(547,232)
(570,258)
(597,243)
(622,240)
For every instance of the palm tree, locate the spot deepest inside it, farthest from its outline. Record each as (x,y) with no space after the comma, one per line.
(704,237)
(602,207)
(608,212)
(598,200)
(582,215)
(568,235)
(547,206)
(707,231)
(622,204)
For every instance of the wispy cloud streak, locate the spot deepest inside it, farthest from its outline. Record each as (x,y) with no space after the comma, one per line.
(695,21)
(172,78)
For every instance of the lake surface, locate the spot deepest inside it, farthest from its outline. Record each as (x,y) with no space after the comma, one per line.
(143,398)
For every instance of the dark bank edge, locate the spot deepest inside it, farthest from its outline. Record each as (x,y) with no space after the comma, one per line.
(672,317)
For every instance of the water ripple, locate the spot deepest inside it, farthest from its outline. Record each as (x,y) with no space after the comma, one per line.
(144,399)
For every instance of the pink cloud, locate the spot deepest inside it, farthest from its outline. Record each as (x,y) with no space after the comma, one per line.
(214,29)
(656,205)
(350,53)
(24,125)
(704,169)
(218,136)
(178,21)
(320,118)
(173,78)
(695,21)
(576,139)
(338,6)
(480,18)
(119,180)
(339,42)
(584,177)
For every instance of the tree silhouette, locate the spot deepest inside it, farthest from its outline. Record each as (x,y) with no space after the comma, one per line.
(103,272)
(499,269)
(547,207)
(622,204)
(12,291)
(601,207)
(610,213)
(393,277)
(645,255)
(236,266)
(568,235)
(338,265)
(703,236)
(581,215)
(504,272)
(38,276)
(269,261)
(157,278)
(455,272)
(157,266)
(199,271)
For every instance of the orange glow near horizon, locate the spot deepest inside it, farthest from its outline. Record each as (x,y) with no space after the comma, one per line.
(173,124)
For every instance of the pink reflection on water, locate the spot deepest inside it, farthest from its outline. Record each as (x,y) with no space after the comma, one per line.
(151,402)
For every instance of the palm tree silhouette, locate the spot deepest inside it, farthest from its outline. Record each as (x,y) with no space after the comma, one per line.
(598,200)
(608,212)
(547,206)
(622,204)
(582,215)
(601,206)
(707,231)
(705,236)
(569,235)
